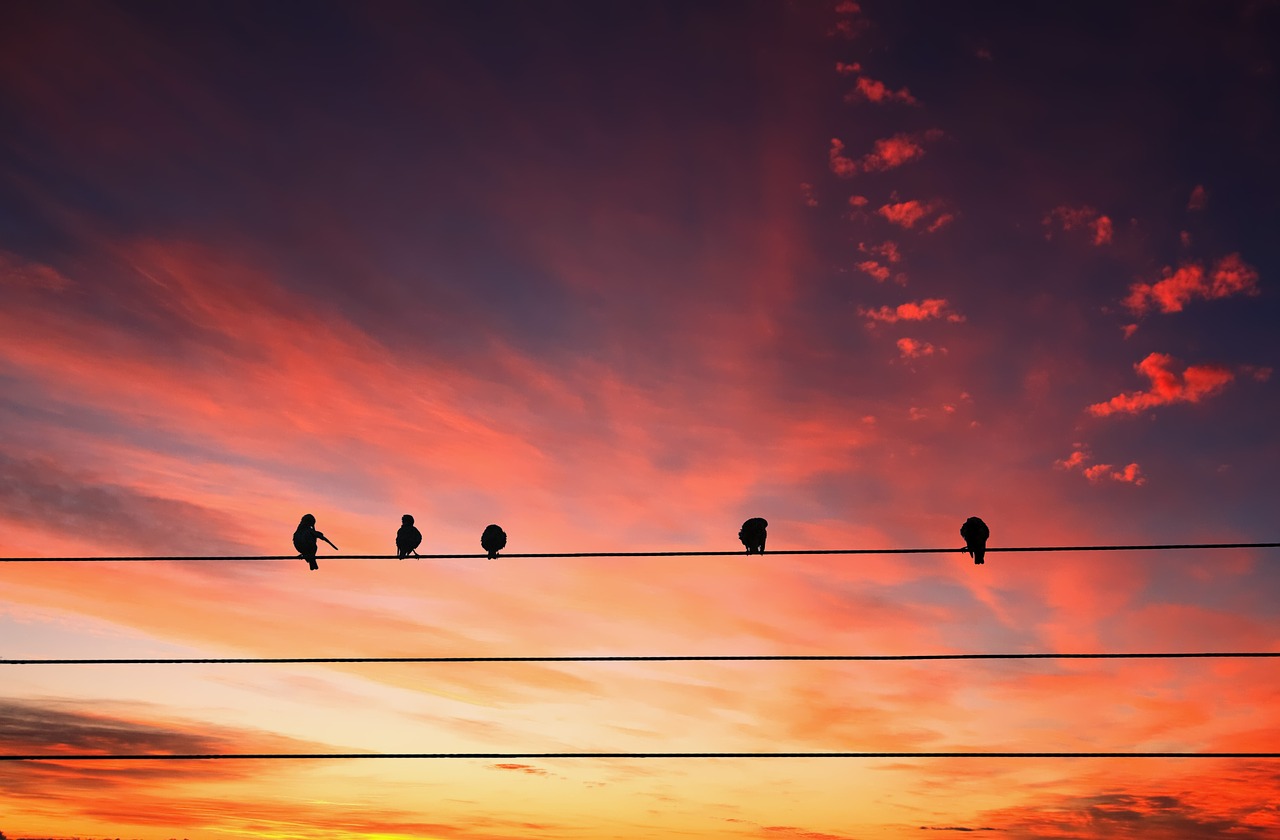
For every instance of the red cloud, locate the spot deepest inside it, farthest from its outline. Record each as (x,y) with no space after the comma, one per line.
(806,191)
(892,152)
(922,311)
(888,250)
(16,272)
(1199,198)
(910,348)
(847,7)
(522,768)
(907,213)
(1167,386)
(875,269)
(1071,218)
(887,153)
(873,90)
(857,201)
(1230,276)
(848,69)
(841,165)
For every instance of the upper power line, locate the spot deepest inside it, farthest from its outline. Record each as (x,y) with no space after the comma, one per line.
(570,554)
(821,657)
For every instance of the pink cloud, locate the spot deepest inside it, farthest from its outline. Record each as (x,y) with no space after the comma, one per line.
(1168,386)
(1131,474)
(910,348)
(842,166)
(873,90)
(924,310)
(1230,276)
(1199,198)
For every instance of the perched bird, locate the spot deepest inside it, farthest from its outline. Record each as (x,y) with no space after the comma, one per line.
(304,540)
(408,538)
(975,533)
(493,540)
(753,534)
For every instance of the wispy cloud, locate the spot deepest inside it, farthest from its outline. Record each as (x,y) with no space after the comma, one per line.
(1230,276)
(1168,386)
(922,310)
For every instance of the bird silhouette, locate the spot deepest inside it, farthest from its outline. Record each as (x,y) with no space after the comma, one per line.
(304,540)
(975,533)
(493,540)
(753,535)
(408,538)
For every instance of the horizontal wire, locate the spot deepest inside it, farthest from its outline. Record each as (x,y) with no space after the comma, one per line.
(921,657)
(616,755)
(570,554)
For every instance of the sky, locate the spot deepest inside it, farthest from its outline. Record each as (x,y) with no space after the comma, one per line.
(618,276)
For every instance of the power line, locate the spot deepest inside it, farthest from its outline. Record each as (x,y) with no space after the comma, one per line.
(920,657)
(613,755)
(573,554)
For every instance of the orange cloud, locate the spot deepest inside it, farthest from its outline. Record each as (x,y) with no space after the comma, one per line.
(1168,386)
(924,310)
(873,90)
(1230,276)
(907,214)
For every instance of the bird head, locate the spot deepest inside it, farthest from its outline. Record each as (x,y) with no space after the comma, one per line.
(407,519)
(308,519)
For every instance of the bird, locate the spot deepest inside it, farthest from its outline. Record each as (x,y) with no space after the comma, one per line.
(975,533)
(304,540)
(753,535)
(493,540)
(408,538)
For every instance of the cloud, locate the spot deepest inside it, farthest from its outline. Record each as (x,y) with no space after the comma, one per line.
(806,192)
(923,310)
(1231,275)
(1080,456)
(1199,198)
(38,492)
(857,201)
(522,768)
(17,273)
(848,69)
(892,152)
(842,166)
(873,90)
(907,214)
(1168,386)
(910,348)
(1072,218)
(875,269)
(888,250)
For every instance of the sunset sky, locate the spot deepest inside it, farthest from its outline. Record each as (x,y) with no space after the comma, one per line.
(618,276)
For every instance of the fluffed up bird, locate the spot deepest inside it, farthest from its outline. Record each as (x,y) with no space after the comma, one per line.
(753,535)
(975,533)
(304,540)
(493,540)
(408,538)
